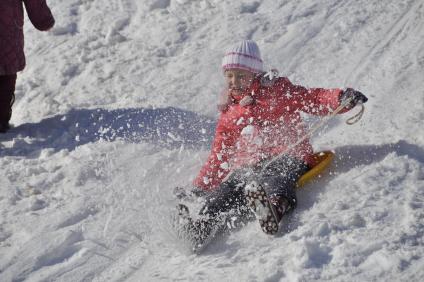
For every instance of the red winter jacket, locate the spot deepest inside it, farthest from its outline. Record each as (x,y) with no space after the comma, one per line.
(12,58)
(247,135)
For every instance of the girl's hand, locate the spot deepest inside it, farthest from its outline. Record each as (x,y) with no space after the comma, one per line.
(354,96)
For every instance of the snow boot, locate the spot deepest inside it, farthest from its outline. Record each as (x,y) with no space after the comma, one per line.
(202,231)
(268,210)
(198,232)
(4,127)
(7,99)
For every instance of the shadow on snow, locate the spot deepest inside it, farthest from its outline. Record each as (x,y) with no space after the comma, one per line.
(349,157)
(166,127)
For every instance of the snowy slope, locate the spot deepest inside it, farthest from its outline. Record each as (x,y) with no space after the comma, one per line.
(117,106)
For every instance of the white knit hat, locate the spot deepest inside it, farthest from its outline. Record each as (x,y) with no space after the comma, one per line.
(245,55)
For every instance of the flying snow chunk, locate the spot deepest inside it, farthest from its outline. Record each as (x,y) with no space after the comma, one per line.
(206,180)
(224,166)
(248,130)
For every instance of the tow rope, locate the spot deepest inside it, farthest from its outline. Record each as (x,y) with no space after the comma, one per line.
(357,117)
(352,120)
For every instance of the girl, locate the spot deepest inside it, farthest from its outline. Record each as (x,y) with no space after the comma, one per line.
(12,58)
(260,119)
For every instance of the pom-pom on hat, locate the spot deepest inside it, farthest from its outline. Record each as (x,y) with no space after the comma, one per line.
(245,55)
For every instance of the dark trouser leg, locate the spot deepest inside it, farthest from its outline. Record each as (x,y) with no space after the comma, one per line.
(225,208)
(7,97)
(272,192)
(279,179)
(228,197)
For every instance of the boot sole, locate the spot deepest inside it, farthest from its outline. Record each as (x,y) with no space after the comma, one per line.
(257,200)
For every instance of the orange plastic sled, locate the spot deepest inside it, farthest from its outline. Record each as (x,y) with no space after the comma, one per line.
(321,161)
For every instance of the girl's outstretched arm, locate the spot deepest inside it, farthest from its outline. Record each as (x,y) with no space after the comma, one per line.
(315,101)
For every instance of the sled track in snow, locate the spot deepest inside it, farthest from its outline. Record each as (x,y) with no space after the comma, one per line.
(394,31)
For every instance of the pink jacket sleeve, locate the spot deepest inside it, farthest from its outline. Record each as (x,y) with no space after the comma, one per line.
(39,14)
(315,101)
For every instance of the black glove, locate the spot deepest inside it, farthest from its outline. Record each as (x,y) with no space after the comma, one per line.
(355,96)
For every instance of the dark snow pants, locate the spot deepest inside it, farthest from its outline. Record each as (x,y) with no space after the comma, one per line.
(7,96)
(279,178)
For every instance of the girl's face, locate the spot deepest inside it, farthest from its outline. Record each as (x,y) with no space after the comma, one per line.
(238,80)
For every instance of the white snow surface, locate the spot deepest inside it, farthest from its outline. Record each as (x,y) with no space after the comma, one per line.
(116,107)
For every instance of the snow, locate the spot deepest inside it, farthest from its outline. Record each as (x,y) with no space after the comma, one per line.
(116,107)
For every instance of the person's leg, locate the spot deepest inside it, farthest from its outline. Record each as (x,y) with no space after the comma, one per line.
(272,193)
(279,179)
(224,208)
(228,197)
(7,98)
